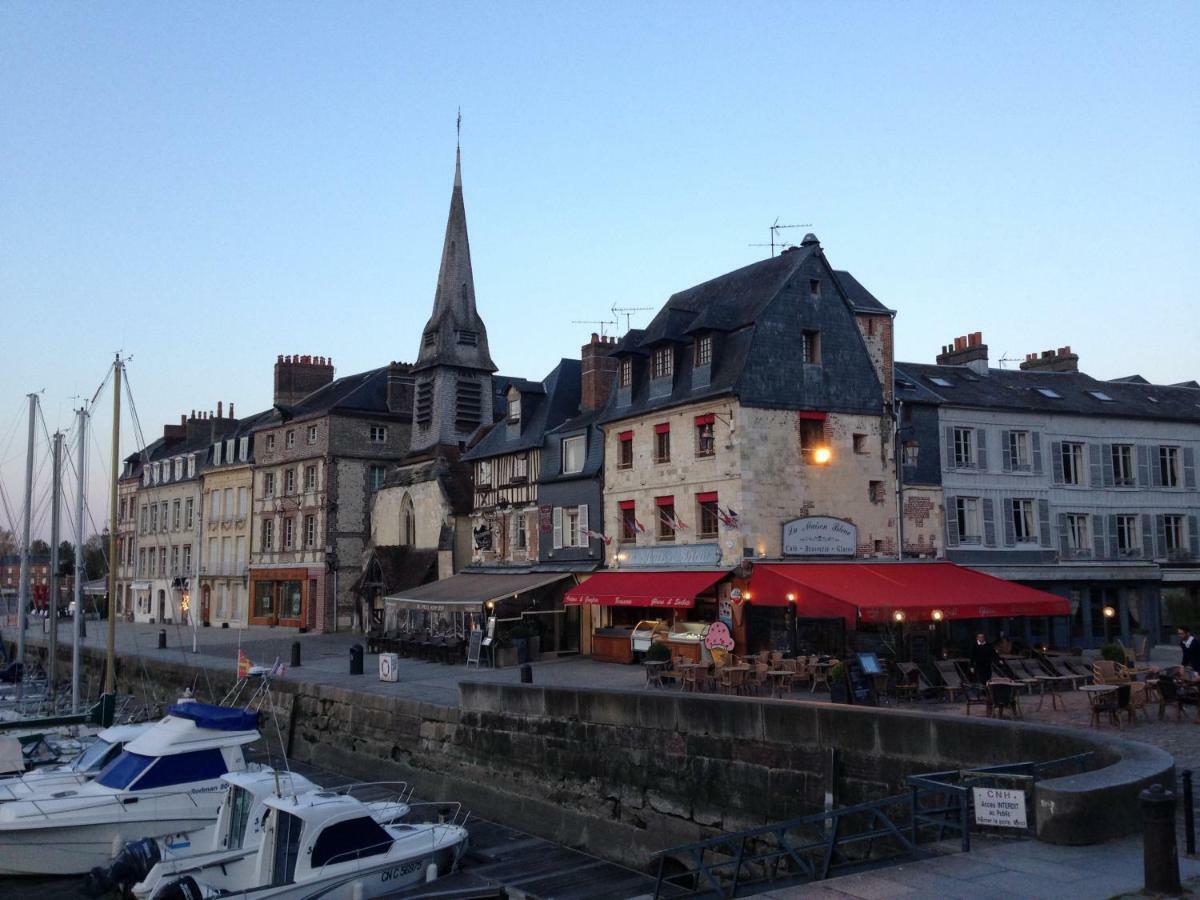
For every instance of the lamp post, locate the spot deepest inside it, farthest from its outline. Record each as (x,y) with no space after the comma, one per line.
(1109,613)
(790,620)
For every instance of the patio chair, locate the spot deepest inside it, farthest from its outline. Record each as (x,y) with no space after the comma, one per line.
(673,674)
(757,681)
(1111,704)
(1170,692)
(1139,698)
(1105,671)
(913,675)
(1059,667)
(1002,695)
(731,680)
(952,681)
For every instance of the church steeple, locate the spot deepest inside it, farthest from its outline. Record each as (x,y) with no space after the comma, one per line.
(454,369)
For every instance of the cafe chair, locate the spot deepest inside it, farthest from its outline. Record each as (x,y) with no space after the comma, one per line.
(1170,692)
(1002,695)
(1109,703)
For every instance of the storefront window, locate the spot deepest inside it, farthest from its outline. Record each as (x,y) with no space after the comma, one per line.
(292,599)
(264,598)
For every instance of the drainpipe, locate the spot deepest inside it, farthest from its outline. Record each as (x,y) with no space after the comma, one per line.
(899,457)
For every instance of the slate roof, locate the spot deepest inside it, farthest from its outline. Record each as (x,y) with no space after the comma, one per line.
(553,402)
(756,315)
(1021,390)
(362,394)
(861,300)
(396,568)
(586,423)
(442,463)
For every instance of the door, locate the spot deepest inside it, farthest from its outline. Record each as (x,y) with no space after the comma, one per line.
(205,601)
(162,606)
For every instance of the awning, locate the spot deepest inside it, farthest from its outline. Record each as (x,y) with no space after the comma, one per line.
(673,590)
(875,592)
(468,592)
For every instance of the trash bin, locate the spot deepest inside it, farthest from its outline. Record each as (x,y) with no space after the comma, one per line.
(295,654)
(162,639)
(356,659)
(526,674)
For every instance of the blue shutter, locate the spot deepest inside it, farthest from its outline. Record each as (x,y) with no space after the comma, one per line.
(1193,537)
(989,522)
(1006,462)
(981,461)
(1113,550)
(1056,461)
(1098,542)
(1160,535)
(1094,465)
(1147,535)
(951,521)
(1010,532)
(1035,440)
(1064,549)
(1189,468)
(1106,464)
(949,432)
(1143,465)
(1047,539)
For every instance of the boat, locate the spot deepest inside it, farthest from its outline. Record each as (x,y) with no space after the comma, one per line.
(326,844)
(165,781)
(143,866)
(92,759)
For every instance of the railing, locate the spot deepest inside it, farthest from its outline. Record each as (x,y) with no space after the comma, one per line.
(115,804)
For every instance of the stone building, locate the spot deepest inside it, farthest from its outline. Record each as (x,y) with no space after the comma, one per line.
(1081,487)
(319,455)
(127,534)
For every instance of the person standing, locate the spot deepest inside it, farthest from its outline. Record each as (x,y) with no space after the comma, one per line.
(1190,647)
(983,656)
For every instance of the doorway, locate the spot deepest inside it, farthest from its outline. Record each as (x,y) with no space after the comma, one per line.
(205,604)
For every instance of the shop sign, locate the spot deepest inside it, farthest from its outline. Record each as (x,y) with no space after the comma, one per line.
(819,536)
(1000,807)
(679,555)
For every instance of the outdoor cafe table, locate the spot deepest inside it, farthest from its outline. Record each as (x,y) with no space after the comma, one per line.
(701,670)
(780,680)
(1098,688)
(1049,681)
(654,670)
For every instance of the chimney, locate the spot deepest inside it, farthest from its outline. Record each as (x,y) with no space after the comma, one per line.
(298,376)
(1051,361)
(174,433)
(219,407)
(400,388)
(599,370)
(231,415)
(968,350)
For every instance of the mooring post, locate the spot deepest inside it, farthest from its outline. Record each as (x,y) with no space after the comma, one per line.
(1189,813)
(1160,856)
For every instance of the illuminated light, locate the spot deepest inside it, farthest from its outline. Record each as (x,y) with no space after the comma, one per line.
(791,598)
(898,615)
(1109,612)
(746,596)
(822,455)
(937,615)
(491,604)
(185,602)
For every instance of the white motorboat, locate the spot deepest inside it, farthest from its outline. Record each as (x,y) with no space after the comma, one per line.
(166,781)
(326,844)
(96,754)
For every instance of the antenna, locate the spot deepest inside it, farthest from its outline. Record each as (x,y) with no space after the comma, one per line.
(627,312)
(603,323)
(1009,359)
(775,228)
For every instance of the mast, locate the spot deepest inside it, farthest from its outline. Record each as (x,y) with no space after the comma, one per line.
(110,675)
(81,457)
(23,593)
(55,525)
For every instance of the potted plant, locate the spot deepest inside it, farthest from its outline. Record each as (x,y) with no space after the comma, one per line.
(519,635)
(838,691)
(1113,653)
(658,652)
(506,654)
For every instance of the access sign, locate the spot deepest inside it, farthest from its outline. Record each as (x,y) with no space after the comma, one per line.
(1001,807)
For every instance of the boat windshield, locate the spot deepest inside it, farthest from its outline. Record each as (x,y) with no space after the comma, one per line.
(162,771)
(95,756)
(121,772)
(240,803)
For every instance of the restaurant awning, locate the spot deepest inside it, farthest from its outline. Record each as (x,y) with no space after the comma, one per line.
(468,592)
(875,592)
(673,590)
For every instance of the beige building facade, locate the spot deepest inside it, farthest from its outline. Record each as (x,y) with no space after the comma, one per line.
(226,490)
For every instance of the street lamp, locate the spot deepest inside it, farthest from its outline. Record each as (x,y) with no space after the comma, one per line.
(1109,612)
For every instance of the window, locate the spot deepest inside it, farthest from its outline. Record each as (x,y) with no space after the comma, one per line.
(520,467)
(572,454)
(243,501)
(162,560)
(376,475)
(662,442)
(1050,392)
(666,518)
(142,563)
(178,468)
(350,840)
(1168,466)
(1122,465)
(191,465)
(964,447)
(230,446)
(174,561)
(570,526)
(1077,533)
(270,442)
(429,338)
(1024,525)
(153,562)
(187,559)
(812,436)
(289,533)
(625,450)
(810,347)
(164,515)
(269,484)
(483,473)
(706,444)
(182,768)
(967,511)
(312,434)
(310,478)
(1100,395)
(243,450)
(216,453)
(154,517)
(520,532)
(378,434)
(229,510)
(912,452)
(289,440)
(176,514)
(1173,533)
(860,443)
(289,482)
(628,516)
(706,515)
(875,492)
(514,408)
(145,518)
(1018,451)
(121,772)
(468,404)
(409,521)
(703,351)
(625,372)
(1127,535)
(814,289)
(1072,463)
(268,534)
(310,532)
(661,363)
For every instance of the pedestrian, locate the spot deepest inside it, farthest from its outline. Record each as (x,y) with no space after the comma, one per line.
(983,655)
(1190,647)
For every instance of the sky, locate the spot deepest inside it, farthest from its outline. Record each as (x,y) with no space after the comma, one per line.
(203,186)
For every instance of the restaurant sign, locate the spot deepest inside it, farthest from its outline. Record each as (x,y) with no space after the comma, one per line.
(819,536)
(678,555)
(1000,807)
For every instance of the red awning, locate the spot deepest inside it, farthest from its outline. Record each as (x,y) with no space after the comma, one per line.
(674,590)
(875,592)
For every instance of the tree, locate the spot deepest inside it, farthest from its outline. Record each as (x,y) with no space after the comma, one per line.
(66,558)
(8,542)
(94,552)
(39,548)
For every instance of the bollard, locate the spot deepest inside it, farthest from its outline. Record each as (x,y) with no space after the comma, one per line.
(162,639)
(295,654)
(1189,813)
(356,659)
(1160,856)
(527,674)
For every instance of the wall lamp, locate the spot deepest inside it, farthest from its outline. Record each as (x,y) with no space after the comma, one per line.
(898,616)
(822,455)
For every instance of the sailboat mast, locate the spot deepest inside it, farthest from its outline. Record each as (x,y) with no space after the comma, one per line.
(55,579)
(81,418)
(23,592)
(110,675)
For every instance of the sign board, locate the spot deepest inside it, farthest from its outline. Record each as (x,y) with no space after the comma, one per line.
(491,632)
(389,667)
(474,646)
(819,536)
(999,806)
(672,555)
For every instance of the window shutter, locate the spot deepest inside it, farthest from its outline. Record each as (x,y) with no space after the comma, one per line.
(1106,464)
(1094,476)
(950,449)
(583,526)
(1155,466)
(1005,452)
(1010,531)
(981,458)
(1160,528)
(558,517)
(1056,461)
(1062,535)
(1035,441)
(1047,539)
(1113,550)
(951,521)
(1143,464)
(1147,535)
(989,522)
(1193,537)
(1189,468)
(1098,543)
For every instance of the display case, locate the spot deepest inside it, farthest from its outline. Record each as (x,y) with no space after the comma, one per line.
(644,633)
(687,640)
(612,644)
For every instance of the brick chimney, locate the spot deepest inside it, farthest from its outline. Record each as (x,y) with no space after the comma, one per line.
(968,350)
(1051,361)
(298,376)
(599,370)
(175,432)
(400,388)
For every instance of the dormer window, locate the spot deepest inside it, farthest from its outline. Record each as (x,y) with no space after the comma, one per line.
(814,288)
(467,338)
(216,455)
(191,465)
(703,352)
(244,449)
(625,372)
(514,407)
(661,363)
(178,467)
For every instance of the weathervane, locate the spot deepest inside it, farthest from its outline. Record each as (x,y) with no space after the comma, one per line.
(458,130)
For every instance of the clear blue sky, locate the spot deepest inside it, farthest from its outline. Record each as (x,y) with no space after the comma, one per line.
(206,185)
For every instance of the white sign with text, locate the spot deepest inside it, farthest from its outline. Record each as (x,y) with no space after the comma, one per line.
(819,536)
(998,806)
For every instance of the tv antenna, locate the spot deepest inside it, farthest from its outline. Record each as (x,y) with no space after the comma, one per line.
(1009,359)
(775,229)
(627,312)
(603,323)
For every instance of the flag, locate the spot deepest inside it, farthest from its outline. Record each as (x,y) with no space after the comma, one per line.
(680,525)
(728,517)
(641,529)
(243,664)
(279,669)
(596,536)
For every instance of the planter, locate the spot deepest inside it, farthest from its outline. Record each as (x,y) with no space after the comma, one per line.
(535,647)
(838,692)
(505,657)
(521,645)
